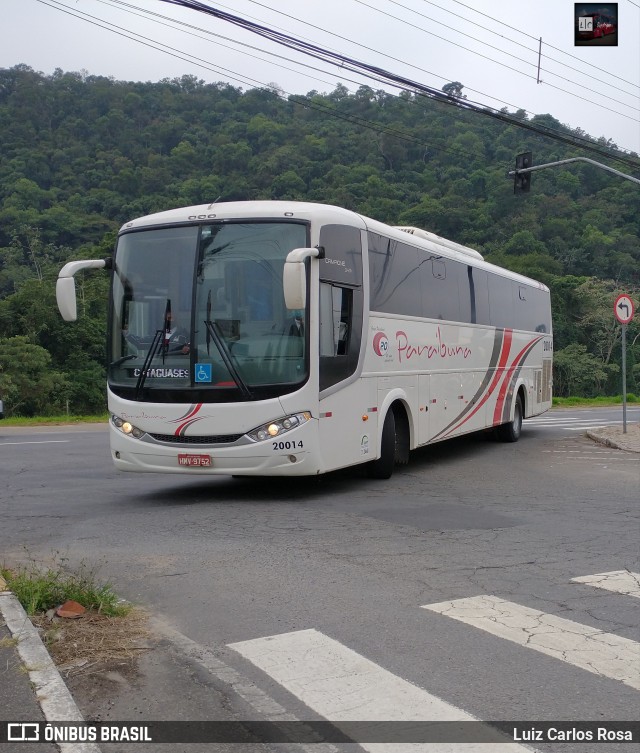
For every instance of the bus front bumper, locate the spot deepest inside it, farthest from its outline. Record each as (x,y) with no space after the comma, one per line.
(290,456)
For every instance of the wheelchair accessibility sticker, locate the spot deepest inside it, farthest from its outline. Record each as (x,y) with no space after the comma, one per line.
(203,372)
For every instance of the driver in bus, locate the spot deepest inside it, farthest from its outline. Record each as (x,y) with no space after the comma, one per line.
(176,338)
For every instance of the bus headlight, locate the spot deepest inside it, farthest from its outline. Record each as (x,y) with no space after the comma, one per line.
(279,427)
(126,428)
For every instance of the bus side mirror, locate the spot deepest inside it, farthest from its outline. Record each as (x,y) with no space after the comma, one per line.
(66,298)
(294,280)
(66,288)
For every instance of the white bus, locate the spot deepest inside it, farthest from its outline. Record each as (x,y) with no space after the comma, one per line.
(285,339)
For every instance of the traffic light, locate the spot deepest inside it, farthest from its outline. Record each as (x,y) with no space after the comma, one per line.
(522,181)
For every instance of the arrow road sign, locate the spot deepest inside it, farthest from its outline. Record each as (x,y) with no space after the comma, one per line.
(623,309)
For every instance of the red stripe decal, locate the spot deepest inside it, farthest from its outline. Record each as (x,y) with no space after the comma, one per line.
(497,413)
(504,357)
(187,420)
(191,412)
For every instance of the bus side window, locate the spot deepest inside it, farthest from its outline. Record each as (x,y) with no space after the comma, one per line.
(335,319)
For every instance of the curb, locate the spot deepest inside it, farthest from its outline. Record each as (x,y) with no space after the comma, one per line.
(599,439)
(51,693)
(603,440)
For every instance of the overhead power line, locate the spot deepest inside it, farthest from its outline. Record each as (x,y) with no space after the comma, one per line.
(174,24)
(411,65)
(380,52)
(304,101)
(431,32)
(529,49)
(557,49)
(244,79)
(181,55)
(395,79)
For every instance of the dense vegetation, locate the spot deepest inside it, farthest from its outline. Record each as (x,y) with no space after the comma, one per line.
(82,154)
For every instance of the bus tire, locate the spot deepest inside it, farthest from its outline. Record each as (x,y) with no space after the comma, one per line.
(402,436)
(511,432)
(382,467)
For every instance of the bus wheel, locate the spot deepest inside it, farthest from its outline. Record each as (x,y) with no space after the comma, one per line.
(383,467)
(511,432)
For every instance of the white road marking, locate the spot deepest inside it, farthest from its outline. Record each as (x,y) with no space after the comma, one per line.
(343,686)
(618,581)
(595,453)
(592,455)
(586,647)
(572,424)
(44,441)
(261,702)
(557,418)
(596,460)
(568,420)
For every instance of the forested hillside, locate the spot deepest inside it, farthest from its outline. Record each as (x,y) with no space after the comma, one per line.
(82,154)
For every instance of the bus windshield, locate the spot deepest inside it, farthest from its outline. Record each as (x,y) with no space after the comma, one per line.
(201,308)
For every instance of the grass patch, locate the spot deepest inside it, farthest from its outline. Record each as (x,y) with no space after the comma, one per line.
(594,402)
(54,420)
(110,635)
(40,588)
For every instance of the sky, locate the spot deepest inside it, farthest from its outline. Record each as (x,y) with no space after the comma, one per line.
(490,46)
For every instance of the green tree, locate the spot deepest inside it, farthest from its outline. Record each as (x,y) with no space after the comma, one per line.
(28,384)
(578,372)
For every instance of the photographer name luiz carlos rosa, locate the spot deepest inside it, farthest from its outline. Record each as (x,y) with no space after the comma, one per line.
(592,732)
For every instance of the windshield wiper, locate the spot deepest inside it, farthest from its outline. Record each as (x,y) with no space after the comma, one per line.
(227,357)
(161,337)
(151,354)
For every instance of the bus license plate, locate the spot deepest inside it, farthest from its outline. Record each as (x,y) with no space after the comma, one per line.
(196,461)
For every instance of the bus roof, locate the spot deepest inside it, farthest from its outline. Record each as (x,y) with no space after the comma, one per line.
(250,210)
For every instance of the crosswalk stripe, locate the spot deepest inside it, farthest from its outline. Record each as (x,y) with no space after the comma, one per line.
(618,581)
(343,686)
(589,648)
(551,420)
(548,417)
(557,425)
(583,422)
(261,703)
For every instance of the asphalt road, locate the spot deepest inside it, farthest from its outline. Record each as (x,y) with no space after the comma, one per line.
(343,564)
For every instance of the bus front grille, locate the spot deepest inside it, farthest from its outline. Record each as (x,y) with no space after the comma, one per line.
(211,439)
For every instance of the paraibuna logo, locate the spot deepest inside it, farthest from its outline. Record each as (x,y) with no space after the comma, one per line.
(405,350)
